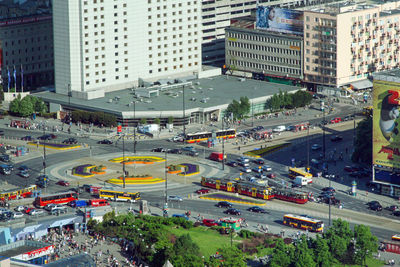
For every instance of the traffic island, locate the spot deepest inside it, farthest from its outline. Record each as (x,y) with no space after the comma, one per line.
(184,169)
(88,170)
(261,152)
(54,145)
(232,198)
(134,180)
(137,160)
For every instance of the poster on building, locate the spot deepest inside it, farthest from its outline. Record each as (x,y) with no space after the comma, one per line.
(386,118)
(279,20)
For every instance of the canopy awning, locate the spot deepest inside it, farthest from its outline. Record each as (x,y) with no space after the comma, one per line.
(359,85)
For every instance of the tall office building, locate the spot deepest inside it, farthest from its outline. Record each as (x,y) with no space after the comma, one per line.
(108,45)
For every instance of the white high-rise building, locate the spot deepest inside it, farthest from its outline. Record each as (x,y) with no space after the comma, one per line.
(107,45)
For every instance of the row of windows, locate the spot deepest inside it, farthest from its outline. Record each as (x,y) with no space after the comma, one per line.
(175,67)
(96,65)
(165,46)
(173,5)
(26,40)
(37,28)
(30,67)
(263,39)
(264,57)
(265,48)
(32,49)
(266,67)
(174,59)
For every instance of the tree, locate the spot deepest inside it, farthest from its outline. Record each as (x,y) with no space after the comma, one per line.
(322,256)
(232,256)
(365,243)
(244,105)
(338,238)
(185,245)
(281,254)
(143,121)
(303,254)
(26,107)
(363,142)
(15,105)
(170,120)
(239,109)
(157,121)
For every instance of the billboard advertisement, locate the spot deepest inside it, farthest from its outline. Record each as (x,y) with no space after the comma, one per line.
(386,118)
(279,20)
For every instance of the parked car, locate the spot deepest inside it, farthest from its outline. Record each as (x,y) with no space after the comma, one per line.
(35,212)
(257,209)
(192,153)
(175,198)
(232,211)
(244,164)
(257,170)
(392,208)
(63,183)
(49,207)
(232,163)
(259,161)
(17,215)
(210,222)
(224,204)
(336,138)
(243,159)
(271,175)
(28,209)
(203,191)
(267,168)
(396,213)
(19,208)
(105,142)
(24,174)
(175,151)
(261,175)
(71,141)
(5,158)
(246,170)
(375,205)
(59,210)
(315,147)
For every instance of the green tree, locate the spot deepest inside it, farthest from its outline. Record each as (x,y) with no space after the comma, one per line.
(232,256)
(234,108)
(143,121)
(338,238)
(170,120)
(185,245)
(303,255)
(15,105)
(157,121)
(363,141)
(365,243)
(281,256)
(26,107)
(322,256)
(244,105)
(274,103)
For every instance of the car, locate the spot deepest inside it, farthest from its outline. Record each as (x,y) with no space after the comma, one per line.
(396,213)
(27,138)
(261,175)
(233,211)
(183,216)
(188,148)
(48,137)
(336,138)
(71,141)
(315,147)
(51,207)
(28,209)
(259,161)
(246,170)
(232,163)
(4,218)
(210,222)
(295,185)
(271,175)
(59,210)
(336,120)
(375,205)
(348,169)
(24,174)
(176,139)
(10,166)
(23,168)
(19,208)
(392,208)
(175,198)
(327,194)
(175,151)
(267,168)
(35,212)
(192,153)
(105,142)
(158,149)
(257,209)
(203,191)
(17,215)
(3,210)
(244,164)
(328,189)
(224,204)
(63,183)
(5,157)
(243,159)
(257,170)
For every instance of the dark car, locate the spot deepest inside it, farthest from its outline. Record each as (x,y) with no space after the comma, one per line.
(348,169)
(392,208)
(224,204)
(294,185)
(375,205)
(192,153)
(23,168)
(232,211)
(257,209)
(47,137)
(5,157)
(27,138)
(232,163)
(158,149)
(328,189)
(396,213)
(271,175)
(336,138)
(327,194)
(334,201)
(175,151)
(357,174)
(105,142)
(70,141)
(259,161)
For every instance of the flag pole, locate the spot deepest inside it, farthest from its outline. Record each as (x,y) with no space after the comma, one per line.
(22,79)
(15,79)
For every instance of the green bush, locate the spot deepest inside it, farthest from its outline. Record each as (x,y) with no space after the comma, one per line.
(96,118)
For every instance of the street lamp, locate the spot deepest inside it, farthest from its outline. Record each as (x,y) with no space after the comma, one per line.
(44,149)
(165,211)
(134,127)
(223,144)
(123,159)
(183,112)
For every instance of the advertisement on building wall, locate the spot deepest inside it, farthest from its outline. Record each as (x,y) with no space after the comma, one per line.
(279,20)
(386,113)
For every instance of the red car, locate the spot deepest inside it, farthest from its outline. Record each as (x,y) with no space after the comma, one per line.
(348,169)
(62,183)
(203,191)
(336,120)
(210,222)
(27,210)
(271,175)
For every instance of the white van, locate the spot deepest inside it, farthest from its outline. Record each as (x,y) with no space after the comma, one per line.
(301,180)
(280,128)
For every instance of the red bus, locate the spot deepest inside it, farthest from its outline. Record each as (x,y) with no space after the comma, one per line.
(98,202)
(59,198)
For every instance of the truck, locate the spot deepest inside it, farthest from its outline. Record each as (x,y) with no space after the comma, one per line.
(301,180)
(280,128)
(216,156)
(78,203)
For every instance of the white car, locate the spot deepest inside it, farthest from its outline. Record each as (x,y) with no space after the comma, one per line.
(243,159)
(3,210)
(267,168)
(19,208)
(175,198)
(53,207)
(17,215)
(247,170)
(36,212)
(315,147)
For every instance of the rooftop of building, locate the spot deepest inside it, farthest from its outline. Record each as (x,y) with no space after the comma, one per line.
(20,247)
(388,75)
(348,6)
(202,94)
(80,260)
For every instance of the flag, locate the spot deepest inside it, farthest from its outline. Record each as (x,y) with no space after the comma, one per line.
(15,78)
(9,79)
(22,79)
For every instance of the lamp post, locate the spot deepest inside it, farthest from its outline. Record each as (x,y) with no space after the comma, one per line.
(308,147)
(330,185)
(165,211)
(44,150)
(223,145)
(183,112)
(123,159)
(134,127)
(323,133)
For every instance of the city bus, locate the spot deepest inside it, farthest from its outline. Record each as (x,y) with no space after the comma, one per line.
(304,223)
(204,136)
(119,195)
(58,198)
(293,172)
(17,193)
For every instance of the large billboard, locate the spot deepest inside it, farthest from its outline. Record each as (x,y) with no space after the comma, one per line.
(279,20)
(386,118)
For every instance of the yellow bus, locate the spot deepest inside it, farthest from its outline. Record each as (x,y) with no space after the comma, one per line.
(119,195)
(303,222)
(293,172)
(367,111)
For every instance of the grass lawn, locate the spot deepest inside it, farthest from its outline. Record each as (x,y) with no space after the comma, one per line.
(370,263)
(208,240)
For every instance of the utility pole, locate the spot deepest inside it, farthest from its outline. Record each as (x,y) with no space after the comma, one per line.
(323,133)
(252,115)
(330,202)
(308,148)
(223,145)
(165,212)
(44,149)
(134,127)
(183,111)
(123,159)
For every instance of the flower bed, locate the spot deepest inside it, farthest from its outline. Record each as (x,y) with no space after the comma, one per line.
(54,146)
(257,153)
(232,198)
(174,169)
(145,179)
(98,170)
(137,160)
(190,169)
(88,170)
